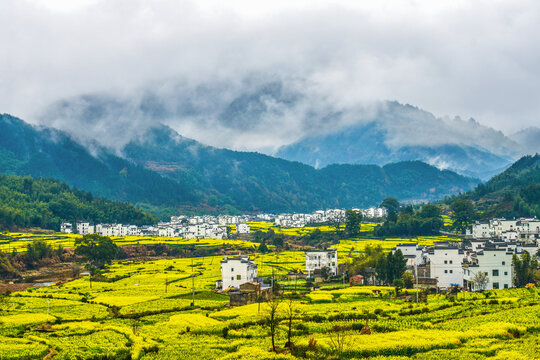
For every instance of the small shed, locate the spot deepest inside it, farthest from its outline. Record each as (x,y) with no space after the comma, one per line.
(356,280)
(249,293)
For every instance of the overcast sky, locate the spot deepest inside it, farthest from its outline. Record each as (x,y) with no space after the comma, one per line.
(476,59)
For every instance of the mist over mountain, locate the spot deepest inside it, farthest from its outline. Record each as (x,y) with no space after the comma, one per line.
(167,173)
(529,139)
(289,118)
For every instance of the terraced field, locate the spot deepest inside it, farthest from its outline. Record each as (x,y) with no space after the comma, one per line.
(19,241)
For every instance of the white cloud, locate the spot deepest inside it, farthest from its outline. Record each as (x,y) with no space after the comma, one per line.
(478,59)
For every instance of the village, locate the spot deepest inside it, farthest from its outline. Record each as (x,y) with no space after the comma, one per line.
(481,261)
(215,227)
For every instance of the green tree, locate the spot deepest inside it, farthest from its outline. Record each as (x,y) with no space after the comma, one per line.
(263,248)
(353,221)
(96,249)
(398,265)
(398,284)
(464,214)
(391,204)
(524,269)
(325,272)
(407,279)
(430,211)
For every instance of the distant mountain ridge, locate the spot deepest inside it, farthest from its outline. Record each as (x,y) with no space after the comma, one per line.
(289,118)
(162,170)
(398,132)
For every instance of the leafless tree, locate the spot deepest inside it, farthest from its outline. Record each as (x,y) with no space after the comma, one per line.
(291,312)
(338,340)
(272,318)
(480,280)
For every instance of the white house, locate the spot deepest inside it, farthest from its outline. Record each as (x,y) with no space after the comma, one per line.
(85,228)
(446,266)
(316,260)
(237,270)
(411,252)
(66,228)
(495,263)
(242,228)
(481,230)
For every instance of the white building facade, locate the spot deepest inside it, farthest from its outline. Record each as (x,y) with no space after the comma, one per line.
(242,228)
(66,228)
(237,270)
(84,228)
(316,260)
(495,263)
(446,266)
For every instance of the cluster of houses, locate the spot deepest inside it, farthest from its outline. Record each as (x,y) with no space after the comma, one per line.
(298,220)
(209,226)
(441,266)
(489,250)
(524,230)
(214,227)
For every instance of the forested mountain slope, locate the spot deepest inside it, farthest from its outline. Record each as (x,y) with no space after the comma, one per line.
(45,203)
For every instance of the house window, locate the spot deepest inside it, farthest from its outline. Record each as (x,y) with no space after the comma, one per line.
(504,262)
(506,273)
(445,261)
(232,277)
(232,269)
(495,285)
(506,286)
(446,271)
(238,277)
(495,272)
(450,261)
(451,271)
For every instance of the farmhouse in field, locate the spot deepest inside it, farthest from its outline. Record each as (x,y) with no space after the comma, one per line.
(495,263)
(237,270)
(445,265)
(319,259)
(242,228)
(66,228)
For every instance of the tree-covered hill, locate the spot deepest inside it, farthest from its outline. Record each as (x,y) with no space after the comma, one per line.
(515,192)
(165,173)
(44,152)
(46,203)
(254,182)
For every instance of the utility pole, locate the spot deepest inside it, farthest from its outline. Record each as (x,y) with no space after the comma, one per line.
(192,283)
(416,279)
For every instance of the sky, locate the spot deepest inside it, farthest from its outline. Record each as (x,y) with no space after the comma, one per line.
(477,59)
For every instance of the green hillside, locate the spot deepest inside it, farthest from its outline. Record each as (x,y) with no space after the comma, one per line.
(166,174)
(515,192)
(45,203)
(256,182)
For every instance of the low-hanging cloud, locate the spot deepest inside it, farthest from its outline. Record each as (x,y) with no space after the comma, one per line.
(185,62)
